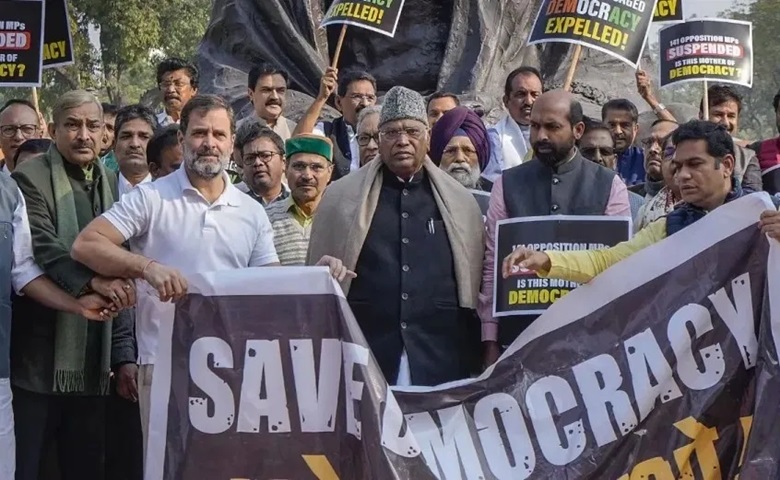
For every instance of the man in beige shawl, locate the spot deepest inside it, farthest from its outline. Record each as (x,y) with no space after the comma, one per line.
(414,238)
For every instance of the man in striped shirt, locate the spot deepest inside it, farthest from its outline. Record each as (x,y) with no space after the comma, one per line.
(309,167)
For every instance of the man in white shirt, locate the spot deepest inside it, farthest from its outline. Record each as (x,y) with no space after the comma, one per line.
(134,128)
(20,273)
(193,220)
(510,138)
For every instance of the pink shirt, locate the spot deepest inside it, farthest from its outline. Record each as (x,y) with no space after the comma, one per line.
(617,205)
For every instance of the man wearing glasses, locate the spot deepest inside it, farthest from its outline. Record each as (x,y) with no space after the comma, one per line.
(354,92)
(178,83)
(413,235)
(598,146)
(18,123)
(368,133)
(261,157)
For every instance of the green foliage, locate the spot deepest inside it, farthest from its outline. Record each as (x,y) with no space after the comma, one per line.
(117,44)
(758,117)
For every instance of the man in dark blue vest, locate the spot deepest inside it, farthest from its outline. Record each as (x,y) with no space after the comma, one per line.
(704,170)
(354,91)
(558,181)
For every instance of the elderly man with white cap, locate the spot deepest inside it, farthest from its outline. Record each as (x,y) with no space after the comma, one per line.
(414,237)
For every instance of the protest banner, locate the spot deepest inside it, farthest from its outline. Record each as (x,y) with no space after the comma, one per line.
(665,366)
(380,16)
(707,50)
(21,42)
(57,40)
(525,293)
(668,11)
(616,27)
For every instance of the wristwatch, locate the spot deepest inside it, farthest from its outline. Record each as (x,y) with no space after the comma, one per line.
(661,107)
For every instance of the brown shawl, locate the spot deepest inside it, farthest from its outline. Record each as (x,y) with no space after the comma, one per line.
(344,216)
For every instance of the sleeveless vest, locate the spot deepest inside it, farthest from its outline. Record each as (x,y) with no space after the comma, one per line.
(578,187)
(336,131)
(9,200)
(768,153)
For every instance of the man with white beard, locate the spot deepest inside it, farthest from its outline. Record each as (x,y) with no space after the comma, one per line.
(461,147)
(225,229)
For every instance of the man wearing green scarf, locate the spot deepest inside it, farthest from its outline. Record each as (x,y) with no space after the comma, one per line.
(60,363)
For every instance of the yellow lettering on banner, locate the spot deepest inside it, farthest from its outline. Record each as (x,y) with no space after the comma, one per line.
(585,28)
(54,50)
(703,446)
(656,468)
(692,70)
(12,69)
(321,467)
(530,297)
(665,8)
(367,13)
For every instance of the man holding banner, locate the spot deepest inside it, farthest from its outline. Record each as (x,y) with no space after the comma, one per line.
(550,184)
(704,170)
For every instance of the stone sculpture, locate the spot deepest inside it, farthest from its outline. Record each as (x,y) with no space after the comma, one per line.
(463,46)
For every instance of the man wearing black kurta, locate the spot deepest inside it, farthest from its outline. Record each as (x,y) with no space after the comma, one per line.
(414,239)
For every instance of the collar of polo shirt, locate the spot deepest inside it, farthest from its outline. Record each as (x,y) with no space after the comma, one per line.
(231,196)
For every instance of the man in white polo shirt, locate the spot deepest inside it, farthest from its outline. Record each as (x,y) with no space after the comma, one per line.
(193,220)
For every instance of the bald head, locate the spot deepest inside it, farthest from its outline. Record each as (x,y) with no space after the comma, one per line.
(556,125)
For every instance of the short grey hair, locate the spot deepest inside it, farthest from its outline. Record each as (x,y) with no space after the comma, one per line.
(372,110)
(71,100)
(251,129)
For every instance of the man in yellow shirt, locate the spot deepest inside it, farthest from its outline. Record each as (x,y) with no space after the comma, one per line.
(703,169)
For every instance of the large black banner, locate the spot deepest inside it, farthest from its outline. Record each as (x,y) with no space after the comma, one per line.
(616,27)
(524,293)
(665,366)
(712,49)
(57,41)
(381,16)
(21,42)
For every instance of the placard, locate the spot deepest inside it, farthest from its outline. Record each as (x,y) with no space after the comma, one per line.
(710,49)
(616,27)
(57,40)
(525,293)
(668,11)
(380,16)
(21,42)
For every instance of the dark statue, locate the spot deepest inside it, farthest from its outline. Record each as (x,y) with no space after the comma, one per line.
(462,46)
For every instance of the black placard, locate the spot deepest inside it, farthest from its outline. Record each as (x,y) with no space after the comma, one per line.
(21,42)
(668,11)
(378,15)
(712,49)
(527,294)
(616,27)
(57,41)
